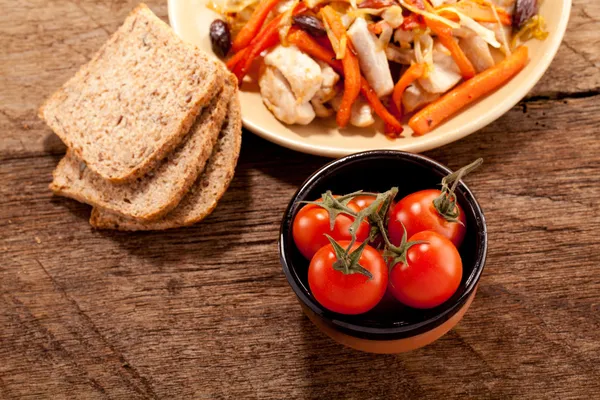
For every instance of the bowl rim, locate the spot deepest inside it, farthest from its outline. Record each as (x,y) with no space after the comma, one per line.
(378,333)
(427,142)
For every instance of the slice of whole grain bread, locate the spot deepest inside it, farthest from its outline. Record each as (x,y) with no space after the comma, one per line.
(204,194)
(158,192)
(135,101)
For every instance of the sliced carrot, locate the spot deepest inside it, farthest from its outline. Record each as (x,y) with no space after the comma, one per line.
(267,38)
(468,92)
(389,129)
(310,46)
(413,73)
(392,123)
(235,59)
(351,88)
(444,34)
(252,27)
(350,64)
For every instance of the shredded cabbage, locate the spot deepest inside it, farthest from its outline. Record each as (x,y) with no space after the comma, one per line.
(230,6)
(424,51)
(313,3)
(339,46)
(502,31)
(347,20)
(286,23)
(363,12)
(429,15)
(535,27)
(468,22)
(385,36)
(393,16)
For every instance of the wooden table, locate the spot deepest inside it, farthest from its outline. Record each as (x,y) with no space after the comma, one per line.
(206,312)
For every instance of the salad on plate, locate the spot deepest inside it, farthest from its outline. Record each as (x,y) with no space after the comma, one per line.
(358,60)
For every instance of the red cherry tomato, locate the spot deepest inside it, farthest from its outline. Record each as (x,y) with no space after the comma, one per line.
(363,202)
(312,223)
(417,212)
(431,274)
(352,293)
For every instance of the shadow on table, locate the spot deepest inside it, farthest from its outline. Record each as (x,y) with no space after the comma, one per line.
(208,238)
(335,371)
(287,166)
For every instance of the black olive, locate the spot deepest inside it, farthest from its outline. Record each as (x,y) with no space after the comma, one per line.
(220,37)
(524,10)
(310,24)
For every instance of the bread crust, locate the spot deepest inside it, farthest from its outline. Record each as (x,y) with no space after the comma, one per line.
(204,194)
(143,70)
(154,195)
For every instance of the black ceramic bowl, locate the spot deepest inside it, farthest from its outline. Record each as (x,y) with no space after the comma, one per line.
(390,327)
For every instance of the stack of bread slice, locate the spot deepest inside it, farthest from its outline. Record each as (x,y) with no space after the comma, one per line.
(152,126)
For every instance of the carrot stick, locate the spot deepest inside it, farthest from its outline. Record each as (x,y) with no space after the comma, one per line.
(267,38)
(351,67)
(468,92)
(310,46)
(388,128)
(413,73)
(392,124)
(256,21)
(444,33)
(235,59)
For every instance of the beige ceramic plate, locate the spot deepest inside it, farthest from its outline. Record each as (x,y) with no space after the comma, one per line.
(191,19)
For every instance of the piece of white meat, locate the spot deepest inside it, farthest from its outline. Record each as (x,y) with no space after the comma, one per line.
(301,72)
(361,114)
(477,51)
(444,74)
(328,88)
(321,109)
(327,91)
(372,58)
(415,97)
(280,100)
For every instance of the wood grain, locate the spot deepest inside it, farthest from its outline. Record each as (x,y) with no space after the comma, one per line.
(206,313)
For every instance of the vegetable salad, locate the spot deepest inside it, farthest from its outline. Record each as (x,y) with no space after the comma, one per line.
(359,60)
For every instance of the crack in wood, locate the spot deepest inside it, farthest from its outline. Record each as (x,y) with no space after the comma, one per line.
(559,96)
(145,388)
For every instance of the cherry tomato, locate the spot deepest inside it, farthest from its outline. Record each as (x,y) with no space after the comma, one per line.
(417,213)
(363,202)
(312,222)
(431,274)
(353,293)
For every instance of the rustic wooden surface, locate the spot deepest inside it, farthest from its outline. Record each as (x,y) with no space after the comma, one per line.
(206,312)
